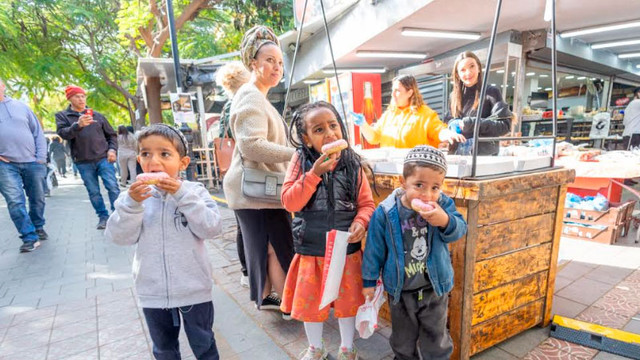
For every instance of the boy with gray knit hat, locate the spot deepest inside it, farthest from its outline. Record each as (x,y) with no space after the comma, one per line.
(407,246)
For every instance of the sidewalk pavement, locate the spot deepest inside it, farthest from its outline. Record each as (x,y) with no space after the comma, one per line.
(73,298)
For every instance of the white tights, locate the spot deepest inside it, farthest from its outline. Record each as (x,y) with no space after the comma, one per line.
(347,332)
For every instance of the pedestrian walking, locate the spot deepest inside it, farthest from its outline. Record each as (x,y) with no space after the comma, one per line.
(23,156)
(93,147)
(58,154)
(127,147)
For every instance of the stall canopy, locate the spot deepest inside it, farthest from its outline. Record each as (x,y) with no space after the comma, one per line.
(195,73)
(379,26)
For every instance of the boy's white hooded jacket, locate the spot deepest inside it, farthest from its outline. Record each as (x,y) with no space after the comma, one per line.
(171,267)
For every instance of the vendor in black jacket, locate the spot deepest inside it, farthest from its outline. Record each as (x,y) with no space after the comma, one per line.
(94,144)
(495,119)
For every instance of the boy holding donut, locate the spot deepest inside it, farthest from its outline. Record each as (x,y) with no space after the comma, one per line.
(407,245)
(169,221)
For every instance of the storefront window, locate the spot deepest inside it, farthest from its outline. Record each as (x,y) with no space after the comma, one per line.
(577,93)
(504,78)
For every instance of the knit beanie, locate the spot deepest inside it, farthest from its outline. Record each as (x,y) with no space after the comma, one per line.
(424,154)
(73,90)
(253,40)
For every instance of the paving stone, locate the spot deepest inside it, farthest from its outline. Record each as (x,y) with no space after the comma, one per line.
(585,291)
(608,356)
(16,342)
(26,328)
(633,325)
(609,274)
(522,343)
(73,346)
(493,353)
(34,315)
(73,329)
(559,349)
(72,306)
(561,283)
(566,307)
(575,270)
(123,349)
(91,354)
(128,329)
(602,317)
(39,353)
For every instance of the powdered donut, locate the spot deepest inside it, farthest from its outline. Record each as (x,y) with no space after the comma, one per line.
(152,178)
(334,147)
(420,206)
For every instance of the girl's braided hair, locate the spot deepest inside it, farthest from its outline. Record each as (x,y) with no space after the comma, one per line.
(307,156)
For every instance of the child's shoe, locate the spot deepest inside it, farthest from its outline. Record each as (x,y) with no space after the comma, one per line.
(313,353)
(346,354)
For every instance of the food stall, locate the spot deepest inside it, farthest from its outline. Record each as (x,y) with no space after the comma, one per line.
(515,222)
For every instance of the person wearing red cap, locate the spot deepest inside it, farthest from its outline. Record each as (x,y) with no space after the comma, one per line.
(94,144)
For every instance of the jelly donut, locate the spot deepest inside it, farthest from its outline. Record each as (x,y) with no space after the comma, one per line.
(334,147)
(152,178)
(420,206)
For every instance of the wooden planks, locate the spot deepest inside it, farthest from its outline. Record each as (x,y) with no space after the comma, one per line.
(518,205)
(491,303)
(505,237)
(562,193)
(524,182)
(456,301)
(505,326)
(500,270)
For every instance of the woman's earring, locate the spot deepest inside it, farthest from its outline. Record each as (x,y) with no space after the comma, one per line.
(309,145)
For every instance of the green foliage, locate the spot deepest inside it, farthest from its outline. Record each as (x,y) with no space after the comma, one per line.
(48,44)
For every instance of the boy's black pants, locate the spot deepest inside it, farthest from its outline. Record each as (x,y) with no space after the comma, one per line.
(420,321)
(164,328)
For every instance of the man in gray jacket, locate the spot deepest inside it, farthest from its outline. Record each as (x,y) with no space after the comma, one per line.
(23,155)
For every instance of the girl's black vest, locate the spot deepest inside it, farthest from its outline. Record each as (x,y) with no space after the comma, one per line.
(331,207)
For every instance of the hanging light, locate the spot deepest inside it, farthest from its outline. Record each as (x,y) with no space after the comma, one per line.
(390,54)
(599,29)
(441,34)
(547,11)
(615,43)
(356,70)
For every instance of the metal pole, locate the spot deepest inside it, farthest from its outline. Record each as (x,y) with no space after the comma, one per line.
(483,91)
(174,44)
(554,69)
(335,71)
(293,63)
(205,143)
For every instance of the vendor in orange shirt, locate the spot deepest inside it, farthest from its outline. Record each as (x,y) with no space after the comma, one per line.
(408,121)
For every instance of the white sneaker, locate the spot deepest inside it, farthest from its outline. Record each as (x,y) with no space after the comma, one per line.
(244,281)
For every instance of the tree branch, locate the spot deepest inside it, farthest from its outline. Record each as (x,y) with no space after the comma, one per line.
(189,13)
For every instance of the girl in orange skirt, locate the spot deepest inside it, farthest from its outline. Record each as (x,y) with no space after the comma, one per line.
(326,190)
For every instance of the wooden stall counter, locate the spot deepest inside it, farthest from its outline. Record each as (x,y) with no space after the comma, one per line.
(505,267)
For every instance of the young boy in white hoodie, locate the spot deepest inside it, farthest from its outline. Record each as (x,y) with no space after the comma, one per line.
(168,222)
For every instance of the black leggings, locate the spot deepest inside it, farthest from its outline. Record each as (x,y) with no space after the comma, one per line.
(240,247)
(260,228)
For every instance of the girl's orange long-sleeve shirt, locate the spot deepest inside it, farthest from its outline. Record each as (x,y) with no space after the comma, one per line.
(296,192)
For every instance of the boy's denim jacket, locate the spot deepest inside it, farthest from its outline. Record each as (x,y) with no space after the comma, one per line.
(385,249)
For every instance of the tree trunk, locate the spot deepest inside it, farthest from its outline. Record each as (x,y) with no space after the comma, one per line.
(153,99)
(141,111)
